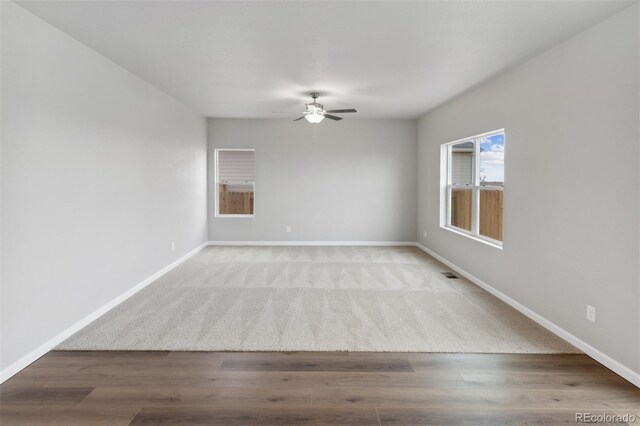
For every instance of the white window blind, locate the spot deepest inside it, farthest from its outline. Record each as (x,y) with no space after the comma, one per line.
(237,170)
(236,166)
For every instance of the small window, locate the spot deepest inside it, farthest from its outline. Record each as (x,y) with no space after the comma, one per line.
(235,182)
(474,186)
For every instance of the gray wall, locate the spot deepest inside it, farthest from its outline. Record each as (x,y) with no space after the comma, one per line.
(571,209)
(355,182)
(100,172)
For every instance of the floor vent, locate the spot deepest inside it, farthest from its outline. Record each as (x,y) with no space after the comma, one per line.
(449,275)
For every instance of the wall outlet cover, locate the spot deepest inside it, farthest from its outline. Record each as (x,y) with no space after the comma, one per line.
(591,313)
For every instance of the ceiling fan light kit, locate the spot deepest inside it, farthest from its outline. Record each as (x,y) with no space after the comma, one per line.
(315,112)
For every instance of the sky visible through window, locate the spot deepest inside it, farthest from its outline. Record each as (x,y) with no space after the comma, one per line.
(492,159)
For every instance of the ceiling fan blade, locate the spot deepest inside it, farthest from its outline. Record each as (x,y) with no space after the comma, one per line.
(300,118)
(332,117)
(342,111)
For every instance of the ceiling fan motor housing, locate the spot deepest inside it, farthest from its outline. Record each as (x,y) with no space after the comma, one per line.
(315,107)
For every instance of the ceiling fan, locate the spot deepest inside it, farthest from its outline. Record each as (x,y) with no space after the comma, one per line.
(315,112)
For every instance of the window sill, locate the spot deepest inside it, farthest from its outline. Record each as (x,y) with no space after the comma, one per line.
(471,236)
(235,216)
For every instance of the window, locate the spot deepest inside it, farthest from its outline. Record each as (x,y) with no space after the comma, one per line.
(474,186)
(235,182)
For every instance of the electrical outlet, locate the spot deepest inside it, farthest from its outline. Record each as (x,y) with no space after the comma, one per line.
(288,228)
(424,233)
(173,246)
(591,313)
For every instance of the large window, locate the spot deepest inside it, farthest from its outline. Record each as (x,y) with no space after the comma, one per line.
(235,182)
(474,186)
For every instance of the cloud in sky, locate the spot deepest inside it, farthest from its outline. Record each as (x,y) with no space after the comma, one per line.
(492,158)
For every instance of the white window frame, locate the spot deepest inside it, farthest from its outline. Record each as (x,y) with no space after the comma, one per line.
(447,186)
(217,213)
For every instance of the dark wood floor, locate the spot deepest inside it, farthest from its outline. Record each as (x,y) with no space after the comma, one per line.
(214,388)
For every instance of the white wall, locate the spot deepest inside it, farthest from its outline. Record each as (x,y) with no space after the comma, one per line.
(100,172)
(355,182)
(571,208)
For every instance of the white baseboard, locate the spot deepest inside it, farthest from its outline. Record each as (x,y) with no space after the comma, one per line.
(313,243)
(594,353)
(23,362)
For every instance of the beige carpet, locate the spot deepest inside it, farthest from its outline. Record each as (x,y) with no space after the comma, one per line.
(314,299)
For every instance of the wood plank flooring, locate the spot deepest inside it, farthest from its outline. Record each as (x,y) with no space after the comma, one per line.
(311,388)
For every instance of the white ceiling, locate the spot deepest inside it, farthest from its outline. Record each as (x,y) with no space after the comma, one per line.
(386,58)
